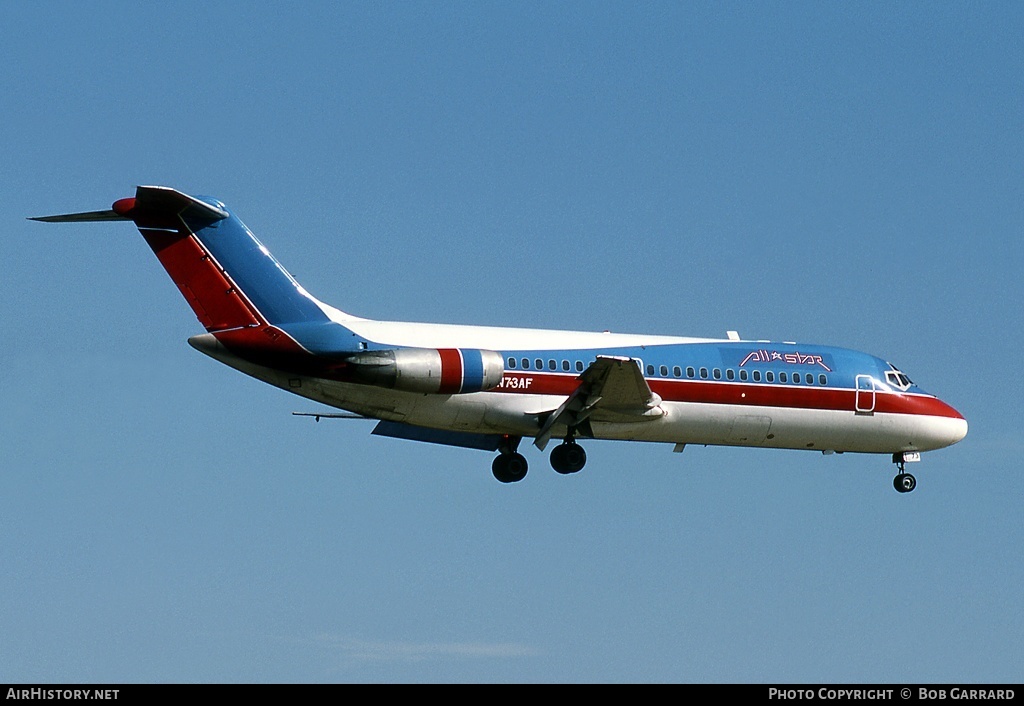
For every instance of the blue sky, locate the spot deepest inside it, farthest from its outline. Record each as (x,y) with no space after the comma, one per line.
(847,174)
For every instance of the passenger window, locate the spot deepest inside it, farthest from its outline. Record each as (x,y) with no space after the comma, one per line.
(565,365)
(757,376)
(704,373)
(690,372)
(650,370)
(717,373)
(512,363)
(769,376)
(677,371)
(664,371)
(809,378)
(730,374)
(540,364)
(552,365)
(782,377)
(579,366)
(526,363)
(743,375)
(822,379)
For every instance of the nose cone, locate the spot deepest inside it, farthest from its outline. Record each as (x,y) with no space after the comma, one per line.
(957,430)
(936,424)
(948,428)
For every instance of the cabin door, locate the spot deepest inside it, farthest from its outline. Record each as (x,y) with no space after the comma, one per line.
(865,402)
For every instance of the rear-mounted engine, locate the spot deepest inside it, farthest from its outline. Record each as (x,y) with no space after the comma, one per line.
(429,370)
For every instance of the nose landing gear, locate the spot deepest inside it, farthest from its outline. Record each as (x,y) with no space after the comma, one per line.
(903,482)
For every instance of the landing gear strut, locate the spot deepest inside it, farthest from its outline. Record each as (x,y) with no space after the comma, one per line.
(903,482)
(509,466)
(568,457)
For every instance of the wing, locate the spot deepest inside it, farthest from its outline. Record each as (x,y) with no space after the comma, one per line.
(467,440)
(611,389)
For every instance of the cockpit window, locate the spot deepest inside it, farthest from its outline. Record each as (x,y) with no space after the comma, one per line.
(898,379)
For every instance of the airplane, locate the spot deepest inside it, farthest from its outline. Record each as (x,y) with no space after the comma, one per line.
(488,388)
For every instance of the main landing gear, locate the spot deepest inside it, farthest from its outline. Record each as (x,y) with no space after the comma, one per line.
(903,482)
(568,457)
(510,466)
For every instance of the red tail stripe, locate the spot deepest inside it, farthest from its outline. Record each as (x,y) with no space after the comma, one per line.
(212,297)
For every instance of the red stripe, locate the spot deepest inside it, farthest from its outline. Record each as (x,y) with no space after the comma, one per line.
(270,346)
(216,303)
(809,397)
(451,371)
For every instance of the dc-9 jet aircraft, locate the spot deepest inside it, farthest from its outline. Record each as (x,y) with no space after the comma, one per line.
(488,387)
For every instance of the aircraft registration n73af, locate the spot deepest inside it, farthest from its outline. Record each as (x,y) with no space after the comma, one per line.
(489,388)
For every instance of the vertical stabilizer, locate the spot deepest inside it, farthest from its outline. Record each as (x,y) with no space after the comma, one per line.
(225,274)
(237,289)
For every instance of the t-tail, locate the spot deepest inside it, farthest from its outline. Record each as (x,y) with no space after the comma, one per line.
(239,292)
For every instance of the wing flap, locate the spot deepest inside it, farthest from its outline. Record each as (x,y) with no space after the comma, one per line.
(612,388)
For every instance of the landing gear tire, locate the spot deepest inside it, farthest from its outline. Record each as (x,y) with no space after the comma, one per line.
(904,482)
(568,457)
(510,467)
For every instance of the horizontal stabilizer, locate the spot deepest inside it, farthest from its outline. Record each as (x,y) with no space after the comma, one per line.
(82,217)
(464,439)
(149,202)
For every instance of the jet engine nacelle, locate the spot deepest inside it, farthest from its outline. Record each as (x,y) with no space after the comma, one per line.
(431,370)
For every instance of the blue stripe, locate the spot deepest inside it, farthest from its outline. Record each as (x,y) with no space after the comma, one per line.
(256,272)
(843,363)
(472,369)
(324,337)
